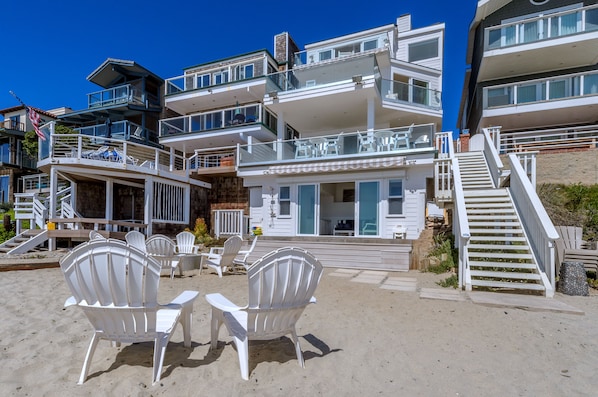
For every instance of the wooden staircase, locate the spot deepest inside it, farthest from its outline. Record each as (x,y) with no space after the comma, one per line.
(499,255)
(29,240)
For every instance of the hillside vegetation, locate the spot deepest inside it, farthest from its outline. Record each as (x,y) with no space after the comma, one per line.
(572,205)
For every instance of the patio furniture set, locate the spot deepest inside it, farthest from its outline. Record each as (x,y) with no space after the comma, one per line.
(116,282)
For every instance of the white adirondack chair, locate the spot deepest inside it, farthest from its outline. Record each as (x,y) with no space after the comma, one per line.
(136,239)
(185,243)
(221,259)
(117,287)
(281,285)
(94,234)
(241,258)
(162,248)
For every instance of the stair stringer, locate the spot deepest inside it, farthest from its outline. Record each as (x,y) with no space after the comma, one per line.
(30,244)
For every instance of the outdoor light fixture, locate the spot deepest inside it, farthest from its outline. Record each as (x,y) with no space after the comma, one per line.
(357,79)
(273,94)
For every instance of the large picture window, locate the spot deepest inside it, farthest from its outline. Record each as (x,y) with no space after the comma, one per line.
(423,50)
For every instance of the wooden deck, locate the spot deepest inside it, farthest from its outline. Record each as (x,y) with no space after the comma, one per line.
(345,252)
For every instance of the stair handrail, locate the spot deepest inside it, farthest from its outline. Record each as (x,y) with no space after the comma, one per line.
(541,233)
(461,227)
(495,165)
(40,212)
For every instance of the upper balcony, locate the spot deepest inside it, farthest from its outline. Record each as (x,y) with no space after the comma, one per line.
(240,79)
(15,158)
(124,130)
(528,46)
(219,128)
(129,94)
(352,145)
(12,126)
(304,95)
(560,100)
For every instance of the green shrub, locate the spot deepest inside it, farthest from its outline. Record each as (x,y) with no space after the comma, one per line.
(443,250)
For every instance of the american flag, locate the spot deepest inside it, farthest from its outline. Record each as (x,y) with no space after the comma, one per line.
(35,119)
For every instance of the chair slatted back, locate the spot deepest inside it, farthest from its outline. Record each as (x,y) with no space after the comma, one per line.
(116,286)
(281,285)
(231,248)
(185,242)
(136,239)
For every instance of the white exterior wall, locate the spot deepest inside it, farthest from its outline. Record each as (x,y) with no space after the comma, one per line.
(402,53)
(413,217)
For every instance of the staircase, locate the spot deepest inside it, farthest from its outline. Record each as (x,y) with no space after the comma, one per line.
(499,255)
(29,240)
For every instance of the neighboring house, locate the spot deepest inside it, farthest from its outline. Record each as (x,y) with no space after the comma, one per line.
(533,73)
(14,162)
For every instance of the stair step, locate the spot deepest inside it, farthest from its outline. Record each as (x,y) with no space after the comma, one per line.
(488,193)
(499,284)
(491,211)
(509,247)
(482,217)
(505,265)
(503,255)
(498,238)
(474,231)
(510,275)
(489,205)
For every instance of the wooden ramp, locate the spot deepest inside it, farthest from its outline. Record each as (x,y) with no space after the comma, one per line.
(350,253)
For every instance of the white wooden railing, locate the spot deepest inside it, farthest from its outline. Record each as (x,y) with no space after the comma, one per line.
(461,227)
(230,222)
(495,165)
(443,172)
(539,229)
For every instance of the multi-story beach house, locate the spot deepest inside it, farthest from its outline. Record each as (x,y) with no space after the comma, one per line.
(333,140)
(15,163)
(533,72)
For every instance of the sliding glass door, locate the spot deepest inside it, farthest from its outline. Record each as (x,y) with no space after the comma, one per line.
(367,212)
(307,210)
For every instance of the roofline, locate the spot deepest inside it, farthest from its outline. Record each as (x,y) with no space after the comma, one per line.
(123,62)
(231,57)
(22,107)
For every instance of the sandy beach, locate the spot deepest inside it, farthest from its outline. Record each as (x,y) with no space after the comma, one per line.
(360,339)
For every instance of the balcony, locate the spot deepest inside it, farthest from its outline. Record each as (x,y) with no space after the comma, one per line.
(12,125)
(124,130)
(223,127)
(220,161)
(15,159)
(242,78)
(343,146)
(402,93)
(567,99)
(518,48)
(123,94)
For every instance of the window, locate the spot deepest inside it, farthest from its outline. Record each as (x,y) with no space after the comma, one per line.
(423,50)
(15,123)
(203,80)
(325,55)
(221,77)
(395,197)
(248,71)
(284,201)
(370,45)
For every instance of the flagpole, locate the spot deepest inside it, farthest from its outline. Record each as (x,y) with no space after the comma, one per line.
(32,115)
(17,98)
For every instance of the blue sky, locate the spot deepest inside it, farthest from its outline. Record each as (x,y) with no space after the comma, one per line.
(52,46)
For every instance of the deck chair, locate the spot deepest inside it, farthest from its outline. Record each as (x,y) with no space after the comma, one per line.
(281,285)
(136,239)
(572,248)
(241,258)
(162,248)
(221,261)
(185,243)
(95,235)
(366,143)
(116,286)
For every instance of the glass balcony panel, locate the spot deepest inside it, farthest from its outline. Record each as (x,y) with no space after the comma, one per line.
(500,96)
(528,93)
(417,94)
(590,84)
(591,20)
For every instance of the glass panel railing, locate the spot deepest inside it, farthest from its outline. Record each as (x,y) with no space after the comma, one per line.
(112,96)
(545,27)
(323,75)
(534,91)
(231,117)
(347,49)
(396,91)
(118,130)
(217,75)
(343,145)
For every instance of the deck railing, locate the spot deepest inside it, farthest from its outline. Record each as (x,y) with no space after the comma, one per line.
(539,229)
(399,92)
(204,158)
(566,138)
(553,25)
(556,88)
(443,167)
(100,149)
(229,223)
(118,130)
(208,121)
(12,125)
(340,145)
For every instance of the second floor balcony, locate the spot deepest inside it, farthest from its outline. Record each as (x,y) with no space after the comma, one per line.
(413,94)
(12,125)
(559,100)
(384,142)
(518,47)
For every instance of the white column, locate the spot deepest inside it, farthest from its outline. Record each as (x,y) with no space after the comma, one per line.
(52,201)
(109,203)
(280,135)
(371,116)
(147,207)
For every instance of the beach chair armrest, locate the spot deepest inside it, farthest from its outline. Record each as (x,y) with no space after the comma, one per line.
(221,303)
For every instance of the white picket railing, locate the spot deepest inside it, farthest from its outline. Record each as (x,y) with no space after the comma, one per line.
(229,223)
